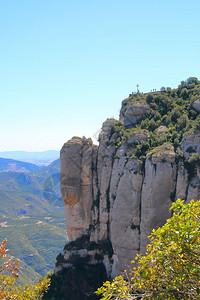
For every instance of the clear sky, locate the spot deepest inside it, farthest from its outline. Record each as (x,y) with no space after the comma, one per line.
(65,66)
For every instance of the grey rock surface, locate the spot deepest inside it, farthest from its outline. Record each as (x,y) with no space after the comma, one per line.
(109,195)
(132,112)
(196,105)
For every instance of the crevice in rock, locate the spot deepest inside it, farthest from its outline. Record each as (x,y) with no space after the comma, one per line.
(140,207)
(173,193)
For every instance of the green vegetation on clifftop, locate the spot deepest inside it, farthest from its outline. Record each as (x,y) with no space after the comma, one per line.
(170,117)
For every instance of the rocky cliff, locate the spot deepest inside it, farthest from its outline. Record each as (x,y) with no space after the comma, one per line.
(115,193)
(111,196)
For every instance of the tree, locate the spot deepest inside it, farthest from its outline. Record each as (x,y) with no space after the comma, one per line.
(184,93)
(9,265)
(163,89)
(8,289)
(192,80)
(171,267)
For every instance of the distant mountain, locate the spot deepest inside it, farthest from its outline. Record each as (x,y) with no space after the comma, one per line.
(38,158)
(52,168)
(16,166)
(49,179)
(32,217)
(21,193)
(34,192)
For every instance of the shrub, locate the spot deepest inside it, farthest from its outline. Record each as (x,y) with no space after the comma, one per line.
(175,114)
(191,165)
(149,98)
(184,93)
(9,290)
(171,267)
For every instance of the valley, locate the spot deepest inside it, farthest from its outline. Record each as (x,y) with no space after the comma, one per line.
(32,217)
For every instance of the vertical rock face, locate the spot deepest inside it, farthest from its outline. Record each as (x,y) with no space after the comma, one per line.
(125,220)
(182,182)
(76,185)
(114,199)
(191,144)
(157,190)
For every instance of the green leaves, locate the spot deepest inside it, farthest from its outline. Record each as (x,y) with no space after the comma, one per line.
(171,267)
(8,289)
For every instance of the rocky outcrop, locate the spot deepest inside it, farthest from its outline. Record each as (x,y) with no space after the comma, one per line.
(132,112)
(138,136)
(191,144)
(116,199)
(76,185)
(157,189)
(125,217)
(196,105)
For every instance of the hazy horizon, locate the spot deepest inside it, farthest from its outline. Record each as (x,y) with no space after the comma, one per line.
(30,151)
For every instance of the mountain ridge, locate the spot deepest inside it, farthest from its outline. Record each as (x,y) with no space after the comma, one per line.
(114,194)
(7,164)
(38,157)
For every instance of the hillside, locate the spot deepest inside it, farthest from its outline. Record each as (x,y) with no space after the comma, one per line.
(7,165)
(34,192)
(34,239)
(32,218)
(116,193)
(49,179)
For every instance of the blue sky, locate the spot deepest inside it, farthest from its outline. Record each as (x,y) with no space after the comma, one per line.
(65,66)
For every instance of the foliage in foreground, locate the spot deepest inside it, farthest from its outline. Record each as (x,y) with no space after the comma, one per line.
(8,289)
(171,267)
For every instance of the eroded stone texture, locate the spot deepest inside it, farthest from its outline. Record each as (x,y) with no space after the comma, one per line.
(76,185)
(125,222)
(104,187)
(108,194)
(193,189)
(191,144)
(157,190)
(131,112)
(182,182)
(196,105)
